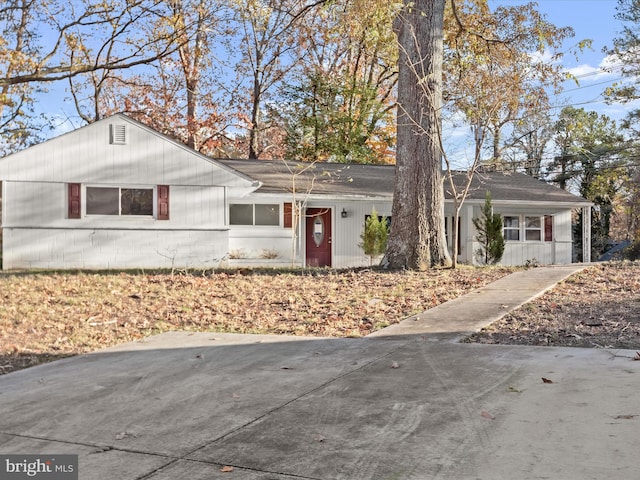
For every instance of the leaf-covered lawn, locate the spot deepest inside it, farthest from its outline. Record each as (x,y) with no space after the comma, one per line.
(44,316)
(597,308)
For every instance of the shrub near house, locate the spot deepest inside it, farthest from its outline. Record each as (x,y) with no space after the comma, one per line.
(375,234)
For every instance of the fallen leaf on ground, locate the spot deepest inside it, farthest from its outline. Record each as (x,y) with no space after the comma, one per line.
(55,310)
(487,415)
(625,417)
(583,311)
(395,365)
(546,380)
(226,469)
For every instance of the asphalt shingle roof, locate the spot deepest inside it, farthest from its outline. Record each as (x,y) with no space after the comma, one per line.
(377,180)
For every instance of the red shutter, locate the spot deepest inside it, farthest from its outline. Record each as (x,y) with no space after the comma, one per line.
(288,215)
(163,202)
(74,205)
(548,228)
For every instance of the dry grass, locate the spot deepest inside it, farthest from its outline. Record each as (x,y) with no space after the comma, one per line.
(598,308)
(44,316)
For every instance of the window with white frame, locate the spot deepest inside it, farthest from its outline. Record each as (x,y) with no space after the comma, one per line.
(119,201)
(529,228)
(259,214)
(511,225)
(533,229)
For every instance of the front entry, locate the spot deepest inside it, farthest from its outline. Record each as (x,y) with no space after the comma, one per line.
(318,237)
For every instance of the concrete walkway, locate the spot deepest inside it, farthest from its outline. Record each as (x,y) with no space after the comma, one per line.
(406,403)
(483,306)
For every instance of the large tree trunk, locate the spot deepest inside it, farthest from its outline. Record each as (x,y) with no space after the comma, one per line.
(254,130)
(417,240)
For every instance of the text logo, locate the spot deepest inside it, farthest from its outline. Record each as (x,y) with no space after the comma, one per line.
(43,467)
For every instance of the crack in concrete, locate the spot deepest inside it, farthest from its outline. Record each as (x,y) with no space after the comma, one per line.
(173,459)
(265,415)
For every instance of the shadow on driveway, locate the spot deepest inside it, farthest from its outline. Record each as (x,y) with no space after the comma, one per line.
(183,405)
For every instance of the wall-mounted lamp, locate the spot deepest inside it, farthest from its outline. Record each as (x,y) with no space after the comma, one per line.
(343,214)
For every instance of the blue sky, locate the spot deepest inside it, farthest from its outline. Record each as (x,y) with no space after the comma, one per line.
(590,19)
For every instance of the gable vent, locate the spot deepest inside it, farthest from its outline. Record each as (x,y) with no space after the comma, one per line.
(118,134)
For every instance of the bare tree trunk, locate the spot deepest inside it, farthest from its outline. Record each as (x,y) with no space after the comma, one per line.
(417,240)
(191,56)
(254,130)
(192,101)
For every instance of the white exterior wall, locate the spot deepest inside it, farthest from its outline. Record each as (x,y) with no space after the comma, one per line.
(347,231)
(248,244)
(87,156)
(557,251)
(253,242)
(39,204)
(38,234)
(249,241)
(111,248)
(346,234)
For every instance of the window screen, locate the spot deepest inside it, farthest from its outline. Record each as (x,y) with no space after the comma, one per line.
(261,214)
(103,201)
(136,201)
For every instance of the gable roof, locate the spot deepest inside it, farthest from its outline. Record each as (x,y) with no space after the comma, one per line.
(377,181)
(89,155)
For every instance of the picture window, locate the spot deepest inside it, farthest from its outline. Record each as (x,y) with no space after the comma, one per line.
(119,201)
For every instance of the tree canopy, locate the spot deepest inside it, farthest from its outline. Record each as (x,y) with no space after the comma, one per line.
(314,80)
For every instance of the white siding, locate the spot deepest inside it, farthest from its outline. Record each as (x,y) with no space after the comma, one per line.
(557,251)
(38,234)
(253,242)
(34,204)
(197,205)
(520,253)
(347,231)
(97,249)
(87,156)
(43,204)
(346,235)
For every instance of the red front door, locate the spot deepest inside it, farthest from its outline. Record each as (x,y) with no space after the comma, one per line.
(318,237)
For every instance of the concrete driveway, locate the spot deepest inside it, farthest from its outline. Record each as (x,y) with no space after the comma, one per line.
(397,406)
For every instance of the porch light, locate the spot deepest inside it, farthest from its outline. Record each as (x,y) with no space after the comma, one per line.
(343,214)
